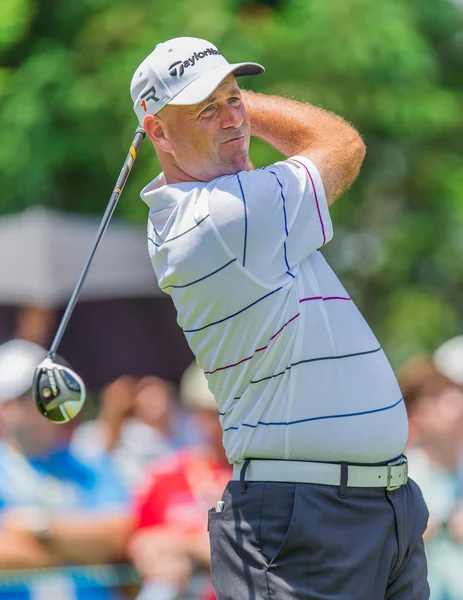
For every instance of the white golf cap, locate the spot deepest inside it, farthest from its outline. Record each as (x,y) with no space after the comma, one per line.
(448,358)
(18,361)
(194,390)
(182,71)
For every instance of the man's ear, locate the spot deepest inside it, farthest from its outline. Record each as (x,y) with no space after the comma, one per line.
(155,129)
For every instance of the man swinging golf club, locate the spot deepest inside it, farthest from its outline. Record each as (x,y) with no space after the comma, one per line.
(313,419)
(320,505)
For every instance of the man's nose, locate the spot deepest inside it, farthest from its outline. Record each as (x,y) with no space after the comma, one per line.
(230,117)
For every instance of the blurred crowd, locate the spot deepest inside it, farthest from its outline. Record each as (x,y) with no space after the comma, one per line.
(433,393)
(134,484)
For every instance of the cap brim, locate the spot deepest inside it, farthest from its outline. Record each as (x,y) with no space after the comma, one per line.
(18,360)
(205,84)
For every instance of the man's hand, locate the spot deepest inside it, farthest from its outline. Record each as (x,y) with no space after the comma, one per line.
(117,403)
(26,520)
(77,537)
(117,398)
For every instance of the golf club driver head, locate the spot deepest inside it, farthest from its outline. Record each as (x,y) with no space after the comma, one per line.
(59,393)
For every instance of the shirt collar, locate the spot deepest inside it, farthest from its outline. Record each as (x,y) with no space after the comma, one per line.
(159,195)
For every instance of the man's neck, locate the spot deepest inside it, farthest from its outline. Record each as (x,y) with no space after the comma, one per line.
(172,172)
(179,178)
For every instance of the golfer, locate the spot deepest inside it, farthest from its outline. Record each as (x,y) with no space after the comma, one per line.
(313,419)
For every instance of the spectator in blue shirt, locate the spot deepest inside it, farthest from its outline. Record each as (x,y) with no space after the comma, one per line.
(55,508)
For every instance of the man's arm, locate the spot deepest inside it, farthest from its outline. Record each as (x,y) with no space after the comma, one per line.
(79,538)
(294,128)
(19,550)
(90,540)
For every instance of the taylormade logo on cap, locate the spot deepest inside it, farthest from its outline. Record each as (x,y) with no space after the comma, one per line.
(178,68)
(176,72)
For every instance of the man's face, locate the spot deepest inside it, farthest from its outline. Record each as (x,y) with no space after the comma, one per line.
(440,416)
(26,427)
(209,139)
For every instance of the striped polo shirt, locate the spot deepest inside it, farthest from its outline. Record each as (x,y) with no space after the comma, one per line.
(295,369)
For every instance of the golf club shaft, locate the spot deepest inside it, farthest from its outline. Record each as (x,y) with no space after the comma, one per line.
(128,164)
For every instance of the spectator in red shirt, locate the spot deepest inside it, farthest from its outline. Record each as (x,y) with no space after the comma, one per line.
(170,542)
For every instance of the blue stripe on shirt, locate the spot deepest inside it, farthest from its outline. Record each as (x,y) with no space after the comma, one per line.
(286,222)
(285,423)
(201,278)
(233,315)
(316,359)
(245,221)
(310,360)
(175,237)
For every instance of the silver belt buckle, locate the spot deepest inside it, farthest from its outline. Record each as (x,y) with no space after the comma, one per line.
(402,460)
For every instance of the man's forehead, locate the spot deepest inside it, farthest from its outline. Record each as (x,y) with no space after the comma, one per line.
(229,81)
(228,85)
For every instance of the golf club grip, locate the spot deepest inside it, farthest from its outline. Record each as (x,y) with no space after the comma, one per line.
(120,183)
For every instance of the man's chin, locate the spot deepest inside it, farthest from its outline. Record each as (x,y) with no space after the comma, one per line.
(236,164)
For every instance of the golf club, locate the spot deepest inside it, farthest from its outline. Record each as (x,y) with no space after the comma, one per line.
(59,393)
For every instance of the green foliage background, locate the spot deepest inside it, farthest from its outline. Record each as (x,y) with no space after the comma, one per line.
(394,68)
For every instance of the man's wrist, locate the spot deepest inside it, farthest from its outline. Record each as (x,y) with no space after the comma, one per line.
(249,100)
(269,117)
(38,523)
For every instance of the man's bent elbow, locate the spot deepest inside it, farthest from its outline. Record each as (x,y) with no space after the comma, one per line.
(354,156)
(357,151)
(341,165)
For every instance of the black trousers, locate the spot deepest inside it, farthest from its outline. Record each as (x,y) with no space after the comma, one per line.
(301,541)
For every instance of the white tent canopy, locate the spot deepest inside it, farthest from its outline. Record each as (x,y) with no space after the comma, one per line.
(42,253)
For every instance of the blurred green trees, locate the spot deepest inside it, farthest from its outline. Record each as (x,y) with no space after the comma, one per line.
(392,67)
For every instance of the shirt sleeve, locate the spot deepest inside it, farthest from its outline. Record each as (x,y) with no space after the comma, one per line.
(272,218)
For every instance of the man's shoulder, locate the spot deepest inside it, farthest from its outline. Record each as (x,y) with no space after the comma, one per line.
(272,175)
(241,185)
(233,180)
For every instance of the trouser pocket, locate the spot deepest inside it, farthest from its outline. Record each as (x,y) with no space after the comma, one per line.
(276,519)
(237,563)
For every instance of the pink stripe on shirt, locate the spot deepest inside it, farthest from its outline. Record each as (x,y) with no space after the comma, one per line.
(275,334)
(255,351)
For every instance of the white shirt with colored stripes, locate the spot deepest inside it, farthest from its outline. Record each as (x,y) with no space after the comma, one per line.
(295,369)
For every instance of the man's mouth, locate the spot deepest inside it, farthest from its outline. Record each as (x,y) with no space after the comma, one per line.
(234,140)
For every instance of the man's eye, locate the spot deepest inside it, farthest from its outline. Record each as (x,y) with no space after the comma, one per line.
(207,109)
(234,99)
